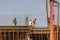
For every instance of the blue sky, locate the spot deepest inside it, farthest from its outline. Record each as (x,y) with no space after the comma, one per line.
(22,8)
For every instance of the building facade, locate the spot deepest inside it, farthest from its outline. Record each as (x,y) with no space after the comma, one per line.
(25,33)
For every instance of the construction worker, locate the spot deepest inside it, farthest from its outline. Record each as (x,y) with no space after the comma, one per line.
(33,22)
(14,21)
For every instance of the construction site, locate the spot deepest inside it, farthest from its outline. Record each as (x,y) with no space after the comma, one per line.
(30,32)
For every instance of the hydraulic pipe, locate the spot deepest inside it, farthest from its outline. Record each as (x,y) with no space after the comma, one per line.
(57,21)
(47,12)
